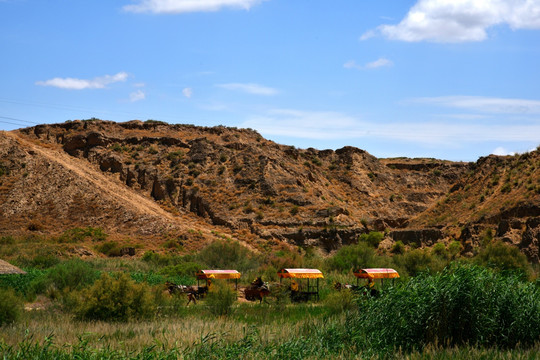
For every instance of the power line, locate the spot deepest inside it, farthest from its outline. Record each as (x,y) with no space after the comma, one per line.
(20,120)
(7,122)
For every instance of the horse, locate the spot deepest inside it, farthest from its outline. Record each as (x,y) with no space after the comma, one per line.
(339,286)
(257,290)
(193,293)
(365,290)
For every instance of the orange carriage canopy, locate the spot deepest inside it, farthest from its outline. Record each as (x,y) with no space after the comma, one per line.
(300,273)
(376,273)
(218,274)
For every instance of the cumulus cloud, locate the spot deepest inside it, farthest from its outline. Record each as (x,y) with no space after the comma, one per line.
(249,88)
(484,104)
(187,92)
(80,84)
(452,21)
(137,96)
(185,6)
(500,151)
(382,62)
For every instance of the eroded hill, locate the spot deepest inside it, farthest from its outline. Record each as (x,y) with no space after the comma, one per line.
(153,181)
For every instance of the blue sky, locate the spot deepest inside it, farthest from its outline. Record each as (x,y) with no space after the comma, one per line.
(450,79)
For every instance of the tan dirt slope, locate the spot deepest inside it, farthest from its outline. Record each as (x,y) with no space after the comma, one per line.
(155,182)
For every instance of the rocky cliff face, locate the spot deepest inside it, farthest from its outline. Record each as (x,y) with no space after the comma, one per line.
(499,198)
(231,179)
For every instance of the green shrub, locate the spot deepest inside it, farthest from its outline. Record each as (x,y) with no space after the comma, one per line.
(185,269)
(110,248)
(418,260)
(340,301)
(501,256)
(175,155)
(439,250)
(462,305)
(454,249)
(77,235)
(7,240)
(228,254)
(10,306)
(69,275)
(351,257)
(372,239)
(44,260)
(118,299)
(398,247)
(23,284)
(220,298)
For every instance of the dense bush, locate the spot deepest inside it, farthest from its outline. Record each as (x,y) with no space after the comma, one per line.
(372,239)
(418,260)
(463,304)
(339,301)
(500,256)
(10,306)
(44,259)
(220,298)
(351,257)
(115,299)
(69,275)
(228,254)
(24,285)
(109,248)
(183,269)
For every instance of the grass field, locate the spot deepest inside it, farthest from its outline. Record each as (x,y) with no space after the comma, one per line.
(118,309)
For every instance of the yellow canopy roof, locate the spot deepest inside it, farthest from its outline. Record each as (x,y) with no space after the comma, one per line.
(377,273)
(300,273)
(218,274)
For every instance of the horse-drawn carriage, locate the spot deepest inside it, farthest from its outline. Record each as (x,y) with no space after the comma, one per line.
(370,274)
(302,292)
(208,275)
(194,293)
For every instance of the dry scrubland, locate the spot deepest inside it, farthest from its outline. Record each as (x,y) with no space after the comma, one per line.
(101,214)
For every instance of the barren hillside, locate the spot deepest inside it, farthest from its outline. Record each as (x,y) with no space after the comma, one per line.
(155,181)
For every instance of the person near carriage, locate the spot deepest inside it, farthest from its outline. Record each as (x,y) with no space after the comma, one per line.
(257,283)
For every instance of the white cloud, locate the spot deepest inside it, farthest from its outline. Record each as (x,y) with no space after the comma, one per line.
(334,126)
(250,88)
(185,6)
(451,21)
(379,63)
(500,151)
(484,104)
(351,64)
(137,96)
(187,92)
(80,84)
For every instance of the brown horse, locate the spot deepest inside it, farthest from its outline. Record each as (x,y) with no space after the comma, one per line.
(257,290)
(253,293)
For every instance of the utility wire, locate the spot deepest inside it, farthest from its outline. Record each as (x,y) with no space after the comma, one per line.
(20,120)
